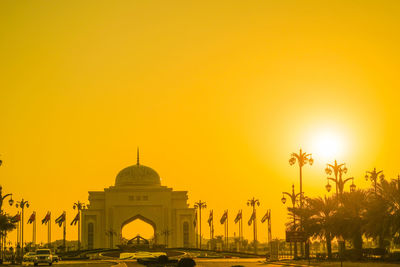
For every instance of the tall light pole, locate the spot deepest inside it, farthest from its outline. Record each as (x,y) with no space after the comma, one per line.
(200,205)
(373,176)
(293,196)
(2,198)
(11,202)
(338,170)
(80,206)
(302,158)
(22,204)
(253,202)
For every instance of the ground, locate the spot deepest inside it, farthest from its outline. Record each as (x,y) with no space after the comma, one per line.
(224,263)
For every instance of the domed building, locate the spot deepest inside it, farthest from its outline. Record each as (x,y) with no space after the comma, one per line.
(137,194)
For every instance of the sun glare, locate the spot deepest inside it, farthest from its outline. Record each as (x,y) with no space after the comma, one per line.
(327,145)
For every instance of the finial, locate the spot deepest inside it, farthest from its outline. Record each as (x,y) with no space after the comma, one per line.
(137,156)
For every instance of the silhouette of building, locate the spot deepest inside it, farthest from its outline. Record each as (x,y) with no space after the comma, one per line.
(137,194)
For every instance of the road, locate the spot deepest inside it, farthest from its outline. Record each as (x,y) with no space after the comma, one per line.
(199,263)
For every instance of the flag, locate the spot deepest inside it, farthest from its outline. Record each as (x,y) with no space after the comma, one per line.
(224,217)
(266,216)
(32,218)
(210,218)
(46,218)
(61,219)
(16,218)
(76,219)
(238,216)
(195,219)
(253,216)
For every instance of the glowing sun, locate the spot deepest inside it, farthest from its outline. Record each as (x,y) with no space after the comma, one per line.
(327,145)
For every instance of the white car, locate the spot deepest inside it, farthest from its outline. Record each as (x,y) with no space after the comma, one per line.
(30,256)
(43,256)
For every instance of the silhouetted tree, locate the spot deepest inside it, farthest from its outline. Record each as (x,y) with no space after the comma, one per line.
(6,223)
(392,194)
(350,218)
(377,216)
(319,218)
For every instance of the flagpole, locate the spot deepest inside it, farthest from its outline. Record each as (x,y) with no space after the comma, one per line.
(269,232)
(239,229)
(18,231)
(227,232)
(255,230)
(34,231)
(253,202)
(197,233)
(49,231)
(269,227)
(79,230)
(210,224)
(64,230)
(241,225)
(212,227)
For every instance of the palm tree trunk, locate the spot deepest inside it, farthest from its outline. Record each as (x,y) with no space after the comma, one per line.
(329,244)
(357,242)
(381,240)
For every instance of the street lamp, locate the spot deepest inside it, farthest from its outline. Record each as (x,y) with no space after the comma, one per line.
(352,186)
(302,159)
(22,204)
(253,202)
(373,176)
(200,205)
(293,196)
(80,206)
(338,170)
(2,198)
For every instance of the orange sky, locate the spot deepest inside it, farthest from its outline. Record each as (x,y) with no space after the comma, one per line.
(217,94)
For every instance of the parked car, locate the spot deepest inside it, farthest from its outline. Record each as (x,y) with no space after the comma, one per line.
(43,256)
(30,256)
(56,258)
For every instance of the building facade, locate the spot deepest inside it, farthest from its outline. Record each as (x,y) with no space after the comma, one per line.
(137,194)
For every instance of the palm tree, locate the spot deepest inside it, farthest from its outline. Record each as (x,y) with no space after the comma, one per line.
(318,219)
(350,218)
(393,197)
(7,224)
(377,216)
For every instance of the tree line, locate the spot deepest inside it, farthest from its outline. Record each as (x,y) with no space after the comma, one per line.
(352,216)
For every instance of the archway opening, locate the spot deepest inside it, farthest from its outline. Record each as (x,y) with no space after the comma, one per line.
(138,227)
